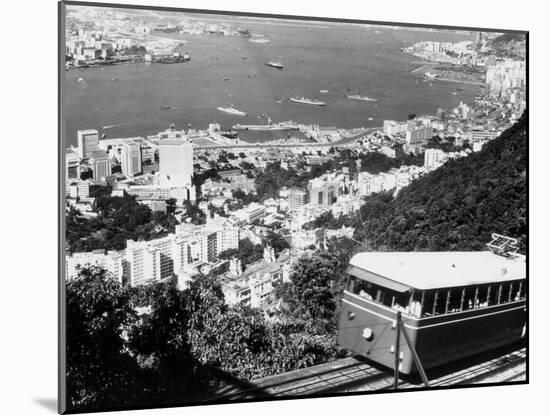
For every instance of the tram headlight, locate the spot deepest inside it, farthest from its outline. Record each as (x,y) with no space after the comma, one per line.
(368,334)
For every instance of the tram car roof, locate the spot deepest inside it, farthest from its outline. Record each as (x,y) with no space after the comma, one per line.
(401,271)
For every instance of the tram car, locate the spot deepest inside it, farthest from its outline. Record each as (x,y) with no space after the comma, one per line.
(453,304)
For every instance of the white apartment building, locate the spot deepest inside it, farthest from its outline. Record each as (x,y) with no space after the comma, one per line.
(433,157)
(130,159)
(151,261)
(112,262)
(175,163)
(88,141)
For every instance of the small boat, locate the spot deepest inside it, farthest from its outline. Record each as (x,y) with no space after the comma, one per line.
(370,118)
(276,65)
(114,79)
(323,91)
(80,79)
(226,79)
(165,107)
(259,40)
(361,98)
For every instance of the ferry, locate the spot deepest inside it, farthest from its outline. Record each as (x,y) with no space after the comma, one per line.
(304,100)
(361,98)
(277,65)
(232,110)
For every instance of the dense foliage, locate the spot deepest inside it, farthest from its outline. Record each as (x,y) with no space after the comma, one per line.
(457,206)
(118,219)
(157,344)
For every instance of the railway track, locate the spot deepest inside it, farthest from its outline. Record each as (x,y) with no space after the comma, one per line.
(353,375)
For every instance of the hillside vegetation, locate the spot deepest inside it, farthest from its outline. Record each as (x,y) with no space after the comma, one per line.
(457,206)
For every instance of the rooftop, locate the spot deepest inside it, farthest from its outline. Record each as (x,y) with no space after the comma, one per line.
(430,270)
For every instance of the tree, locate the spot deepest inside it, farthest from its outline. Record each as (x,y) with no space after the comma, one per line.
(311,290)
(276,241)
(100,373)
(171,205)
(160,341)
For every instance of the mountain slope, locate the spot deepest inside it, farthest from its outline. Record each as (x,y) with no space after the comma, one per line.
(457,206)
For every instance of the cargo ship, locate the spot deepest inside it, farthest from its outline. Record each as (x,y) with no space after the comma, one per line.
(309,101)
(277,65)
(233,111)
(361,98)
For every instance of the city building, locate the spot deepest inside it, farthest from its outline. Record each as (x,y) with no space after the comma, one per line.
(433,157)
(113,262)
(254,286)
(419,134)
(175,163)
(297,198)
(88,141)
(72,165)
(393,128)
(130,159)
(100,165)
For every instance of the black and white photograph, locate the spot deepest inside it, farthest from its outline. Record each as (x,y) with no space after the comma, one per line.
(261,207)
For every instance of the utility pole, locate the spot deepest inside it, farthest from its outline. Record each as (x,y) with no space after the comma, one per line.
(396,350)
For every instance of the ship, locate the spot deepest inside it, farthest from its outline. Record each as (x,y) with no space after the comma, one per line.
(304,100)
(259,40)
(361,98)
(267,127)
(230,134)
(277,65)
(232,110)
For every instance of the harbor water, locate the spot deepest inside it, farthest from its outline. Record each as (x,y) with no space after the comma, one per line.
(141,99)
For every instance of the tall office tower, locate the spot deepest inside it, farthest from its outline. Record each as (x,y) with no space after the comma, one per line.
(176,163)
(88,141)
(100,164)
(296,199)
(131,159)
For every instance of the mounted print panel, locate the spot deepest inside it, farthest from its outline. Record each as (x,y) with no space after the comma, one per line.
(261,207)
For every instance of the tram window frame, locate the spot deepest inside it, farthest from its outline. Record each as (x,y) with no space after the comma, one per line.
(482,296)
(455,297)
(428,303)
(416,304)
(469,302)
(511,292)
(492,297)
(440,306)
